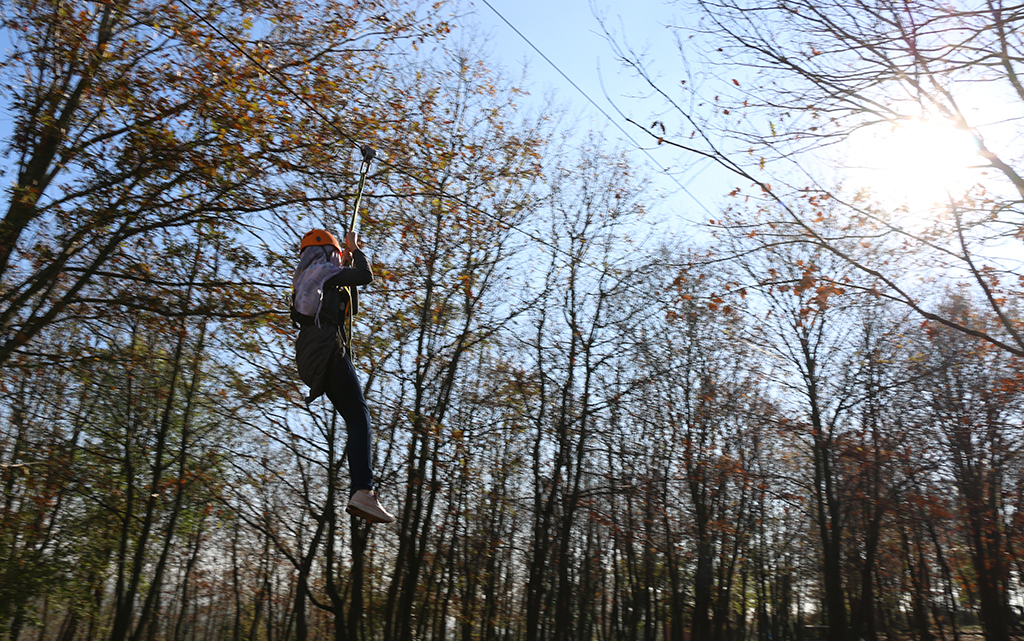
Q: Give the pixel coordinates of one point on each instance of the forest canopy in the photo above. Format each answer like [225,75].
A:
[801,417]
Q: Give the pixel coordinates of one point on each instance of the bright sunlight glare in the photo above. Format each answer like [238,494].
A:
[914,164]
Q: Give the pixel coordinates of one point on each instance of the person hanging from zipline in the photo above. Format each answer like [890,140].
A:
[324,295]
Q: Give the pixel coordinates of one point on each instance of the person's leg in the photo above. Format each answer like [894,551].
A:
[346,393]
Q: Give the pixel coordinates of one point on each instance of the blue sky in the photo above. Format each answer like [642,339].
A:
[569,34]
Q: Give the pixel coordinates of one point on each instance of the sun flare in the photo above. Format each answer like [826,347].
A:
[914,164]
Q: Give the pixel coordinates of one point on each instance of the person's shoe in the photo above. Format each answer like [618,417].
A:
[365,505]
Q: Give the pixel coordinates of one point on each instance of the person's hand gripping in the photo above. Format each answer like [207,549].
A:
[351,243]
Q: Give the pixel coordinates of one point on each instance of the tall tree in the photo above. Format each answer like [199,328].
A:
[807,334]
[878,452]
[772,88]
[132,117]
[570,348]
[133,427]
[970,405]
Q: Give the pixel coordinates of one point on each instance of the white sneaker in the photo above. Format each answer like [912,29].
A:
[365,505]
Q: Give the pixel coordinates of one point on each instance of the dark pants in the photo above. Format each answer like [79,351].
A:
[346,393]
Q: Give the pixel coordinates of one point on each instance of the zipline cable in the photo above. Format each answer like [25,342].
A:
[598,107]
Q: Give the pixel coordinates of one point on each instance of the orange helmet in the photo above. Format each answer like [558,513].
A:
[319,237]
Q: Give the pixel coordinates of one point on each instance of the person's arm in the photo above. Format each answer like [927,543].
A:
[359,273]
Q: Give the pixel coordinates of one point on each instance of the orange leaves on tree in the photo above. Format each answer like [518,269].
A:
[806,281]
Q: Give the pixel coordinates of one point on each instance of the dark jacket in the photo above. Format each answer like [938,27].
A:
[319,343]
